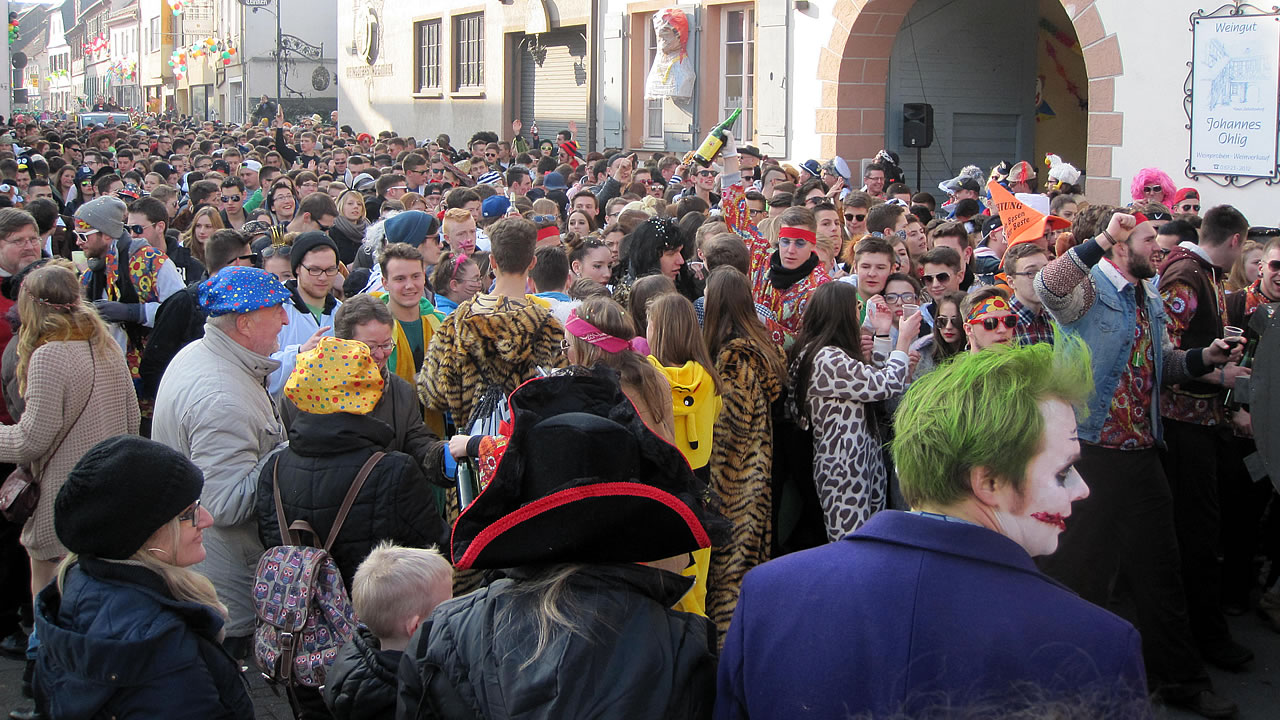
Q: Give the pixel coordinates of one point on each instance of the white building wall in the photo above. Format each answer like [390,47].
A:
[1150,94]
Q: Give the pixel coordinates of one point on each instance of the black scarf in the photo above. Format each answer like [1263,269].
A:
[782,278]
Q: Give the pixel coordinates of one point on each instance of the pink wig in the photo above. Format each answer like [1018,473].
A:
[1148,176]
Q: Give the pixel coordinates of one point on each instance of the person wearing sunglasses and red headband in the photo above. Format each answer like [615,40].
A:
[782,279]
[988,318]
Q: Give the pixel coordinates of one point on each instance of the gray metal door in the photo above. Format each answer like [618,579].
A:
[554,84]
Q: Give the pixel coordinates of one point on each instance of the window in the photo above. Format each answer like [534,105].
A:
[653,134]
[427,63]
[468,52]
[738,75]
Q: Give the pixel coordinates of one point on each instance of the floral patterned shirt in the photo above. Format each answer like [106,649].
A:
[1181,304]
[1128,423]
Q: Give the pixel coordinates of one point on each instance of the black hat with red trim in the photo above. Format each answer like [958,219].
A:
[582,479]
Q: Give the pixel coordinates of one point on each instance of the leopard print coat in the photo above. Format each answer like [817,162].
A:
[848,465]
[741,470]
[473,350]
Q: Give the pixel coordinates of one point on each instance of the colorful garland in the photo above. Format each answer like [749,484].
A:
[1068,41]
[219,50]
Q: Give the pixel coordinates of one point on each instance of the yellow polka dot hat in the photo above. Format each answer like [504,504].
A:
[337,376]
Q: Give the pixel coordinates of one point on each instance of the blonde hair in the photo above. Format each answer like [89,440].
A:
[185,584]
[1236,280]
[189,237]
[359,201]
[53,309]
[395,583]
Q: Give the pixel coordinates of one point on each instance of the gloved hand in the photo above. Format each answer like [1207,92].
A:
[118,312]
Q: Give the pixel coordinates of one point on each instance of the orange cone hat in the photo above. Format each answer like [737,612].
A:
[1021,222]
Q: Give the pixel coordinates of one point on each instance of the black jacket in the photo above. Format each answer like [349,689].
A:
[361,685]
[398,407]
[179,322]
[191,269]
[115,643]
[639,658]
[324,454]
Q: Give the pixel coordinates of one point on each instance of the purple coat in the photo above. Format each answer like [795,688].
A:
[909,612]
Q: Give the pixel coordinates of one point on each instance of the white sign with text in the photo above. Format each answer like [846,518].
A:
[1236,73]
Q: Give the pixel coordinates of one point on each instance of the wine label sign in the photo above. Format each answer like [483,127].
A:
[1235,83]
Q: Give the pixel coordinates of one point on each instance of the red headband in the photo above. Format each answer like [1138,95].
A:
[547,232]
[1139,218]
[797,233]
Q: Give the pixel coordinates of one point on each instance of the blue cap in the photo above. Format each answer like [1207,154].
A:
[238,289]
[495,206]
[553,181]
[811,167]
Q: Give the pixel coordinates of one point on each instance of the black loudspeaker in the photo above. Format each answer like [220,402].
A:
[917,125]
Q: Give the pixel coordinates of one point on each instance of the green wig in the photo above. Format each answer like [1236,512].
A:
[983,410]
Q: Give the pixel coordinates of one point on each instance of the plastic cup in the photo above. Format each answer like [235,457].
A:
[908,309]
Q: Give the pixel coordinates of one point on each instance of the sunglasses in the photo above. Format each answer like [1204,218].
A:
[851,217]
[944,321]
[790,242]
[230,198]
[991,323]
[706,173]
[138,229]
[191,515]
[1189,208]
[545,219]
[1152,189]
[1273,265]
[940,277]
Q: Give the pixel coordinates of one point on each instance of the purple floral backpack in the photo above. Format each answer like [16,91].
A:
[304,612]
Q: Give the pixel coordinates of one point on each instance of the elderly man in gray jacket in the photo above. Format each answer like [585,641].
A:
[213,407]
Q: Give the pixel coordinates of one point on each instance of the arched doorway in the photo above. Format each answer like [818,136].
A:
[858,116]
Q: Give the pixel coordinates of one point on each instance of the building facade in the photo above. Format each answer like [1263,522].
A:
[457,66]
[122,79]
[306,82]
[1101,83]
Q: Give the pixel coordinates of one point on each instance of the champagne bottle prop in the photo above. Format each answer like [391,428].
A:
[1246,361]
[711,145]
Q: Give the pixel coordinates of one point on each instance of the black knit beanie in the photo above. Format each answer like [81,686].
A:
[305,243]
[122,491]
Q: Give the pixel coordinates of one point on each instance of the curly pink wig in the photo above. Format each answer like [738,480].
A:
[1147,176]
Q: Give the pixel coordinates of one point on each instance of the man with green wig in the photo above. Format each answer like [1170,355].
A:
[942,609]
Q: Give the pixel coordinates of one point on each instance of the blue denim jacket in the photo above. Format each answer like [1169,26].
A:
[1107,327]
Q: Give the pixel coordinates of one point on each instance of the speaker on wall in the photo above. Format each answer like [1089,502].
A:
[917,125]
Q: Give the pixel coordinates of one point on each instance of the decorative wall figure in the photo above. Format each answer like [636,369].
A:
[671,74]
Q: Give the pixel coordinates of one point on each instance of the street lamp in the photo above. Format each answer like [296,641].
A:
[262,5]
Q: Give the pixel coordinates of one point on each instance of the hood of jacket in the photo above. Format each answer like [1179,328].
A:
[695,405]
[259,366]
[113,626]
[338,433]
[501,337]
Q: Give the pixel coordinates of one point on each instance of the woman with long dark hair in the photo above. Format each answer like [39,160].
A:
[833,384]
[752,370]
[947,339]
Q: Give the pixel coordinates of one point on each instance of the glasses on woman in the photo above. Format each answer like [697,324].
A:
[899,298]
[1149,189]
[191,514]
[945,320]
[991,323]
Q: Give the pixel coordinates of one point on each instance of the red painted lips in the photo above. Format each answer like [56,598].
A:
[1060,521]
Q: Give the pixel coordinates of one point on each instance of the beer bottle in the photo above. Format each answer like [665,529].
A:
[710,147]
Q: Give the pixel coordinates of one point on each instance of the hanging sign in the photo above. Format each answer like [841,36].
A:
[1235,79]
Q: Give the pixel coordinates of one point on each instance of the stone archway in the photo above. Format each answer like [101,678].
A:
[853,69]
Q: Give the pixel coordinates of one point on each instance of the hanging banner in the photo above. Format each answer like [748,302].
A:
[1235,74]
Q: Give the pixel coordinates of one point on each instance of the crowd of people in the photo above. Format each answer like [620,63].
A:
[618,434]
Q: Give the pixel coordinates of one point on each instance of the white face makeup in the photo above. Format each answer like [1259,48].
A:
[1036,517]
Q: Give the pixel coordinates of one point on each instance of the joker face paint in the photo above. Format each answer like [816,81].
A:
[1035,517]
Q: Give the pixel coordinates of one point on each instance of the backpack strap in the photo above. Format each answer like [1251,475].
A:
[350,499]
[286,537]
